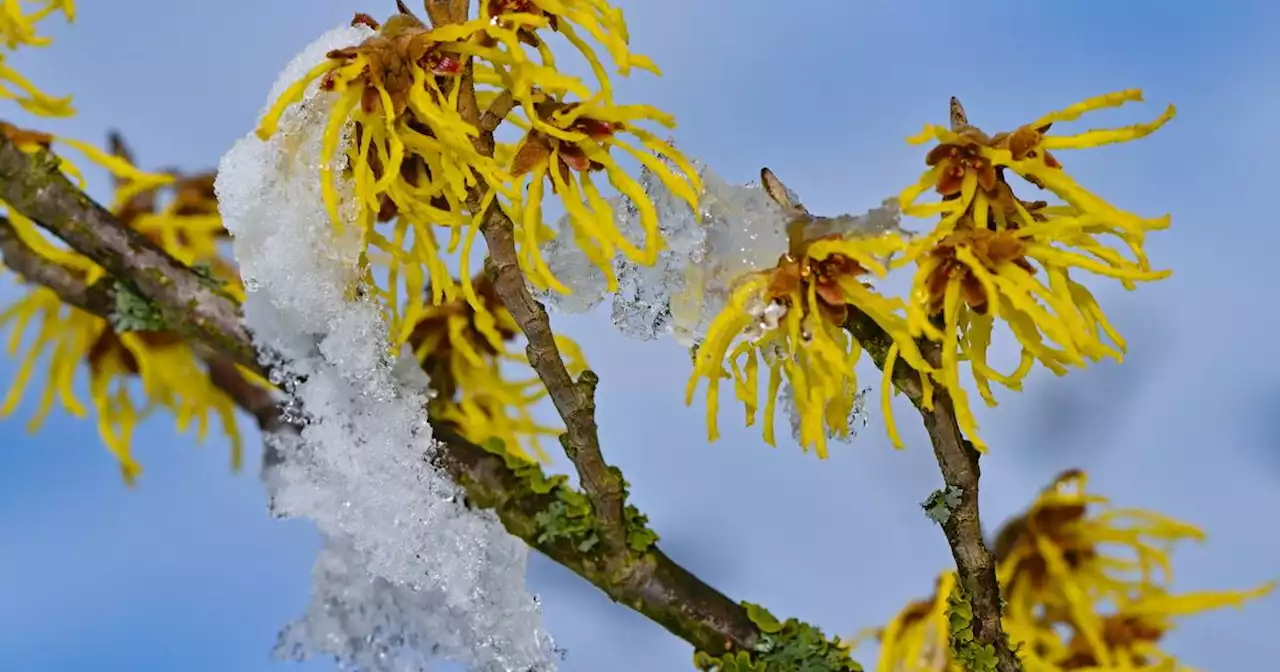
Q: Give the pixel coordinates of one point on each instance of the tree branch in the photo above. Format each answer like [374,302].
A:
[99,299]
[648,582]
[33,184]
[959,464]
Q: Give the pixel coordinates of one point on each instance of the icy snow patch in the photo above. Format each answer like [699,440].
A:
[408,574]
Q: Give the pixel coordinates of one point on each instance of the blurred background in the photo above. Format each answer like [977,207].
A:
[188,572]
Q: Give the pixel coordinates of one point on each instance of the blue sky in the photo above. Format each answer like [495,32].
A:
[187,571]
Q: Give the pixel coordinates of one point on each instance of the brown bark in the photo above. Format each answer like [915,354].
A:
[958,462]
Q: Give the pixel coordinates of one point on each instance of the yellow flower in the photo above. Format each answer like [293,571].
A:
[413,157]
[1063,561]
[1131,635]
[171,375]
[601,20]
[18,28]
[915,639]
[579,146]
[1084,589]
[792,317]
[980,261]
[468,376]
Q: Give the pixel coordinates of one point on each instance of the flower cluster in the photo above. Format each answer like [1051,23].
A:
[991,256]
[453,341]
[178,213]
[980,262]
[411,132]
[413,160]
[792,316]
[1087,587]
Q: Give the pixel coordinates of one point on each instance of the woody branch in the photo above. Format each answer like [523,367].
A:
[958,462]
[649,582]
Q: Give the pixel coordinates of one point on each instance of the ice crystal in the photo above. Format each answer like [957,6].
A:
[742,230]
[856,421]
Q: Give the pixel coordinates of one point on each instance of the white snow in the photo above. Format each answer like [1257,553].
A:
[408,574]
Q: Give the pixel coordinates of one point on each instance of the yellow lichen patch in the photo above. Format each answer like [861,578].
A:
[171,376]
[994,257]
[18,27]
[792,318]
[416,157]
[471,377]
[1086,587]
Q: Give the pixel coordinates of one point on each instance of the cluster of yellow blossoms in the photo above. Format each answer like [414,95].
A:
[978,264]
[1086,585]
[810,293]
[420,163]
[473,392]
[423,158]
[421,155]
[177,212]
[180,214]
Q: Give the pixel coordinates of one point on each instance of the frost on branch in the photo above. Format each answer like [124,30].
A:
[570,264]
[408,574]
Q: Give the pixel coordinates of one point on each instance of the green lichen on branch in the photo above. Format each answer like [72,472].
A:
[570,518]
[972,655]
[941,503]
[647,581]
[134,312]
[784,646]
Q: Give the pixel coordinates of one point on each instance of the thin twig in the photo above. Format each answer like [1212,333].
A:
[958,461]
[98,298]
[574,400]
[252,399]
[441,12]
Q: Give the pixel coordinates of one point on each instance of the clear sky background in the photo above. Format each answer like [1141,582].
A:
[187,571]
